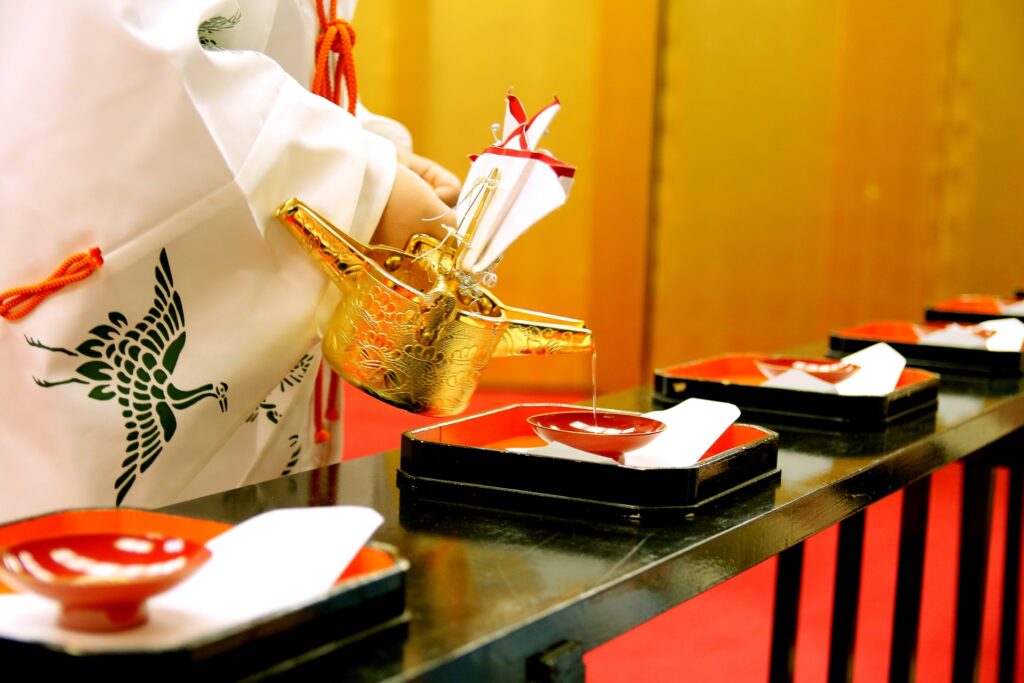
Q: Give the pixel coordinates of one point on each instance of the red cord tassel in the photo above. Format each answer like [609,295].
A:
[321,435]
[20,301]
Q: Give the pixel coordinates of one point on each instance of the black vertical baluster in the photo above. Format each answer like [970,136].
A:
[844,601]
[1011,576]
[974,530]
[788,574]
[907,610]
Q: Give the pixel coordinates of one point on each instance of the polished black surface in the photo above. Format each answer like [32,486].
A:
[909,581]
[1011,567]
[845,597]
[788,576]
[975,519]
[490,590]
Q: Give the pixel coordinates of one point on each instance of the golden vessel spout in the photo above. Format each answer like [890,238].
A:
[530,333]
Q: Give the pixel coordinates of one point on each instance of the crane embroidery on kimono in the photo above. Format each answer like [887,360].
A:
[135,365]
[296,447]
[293,378]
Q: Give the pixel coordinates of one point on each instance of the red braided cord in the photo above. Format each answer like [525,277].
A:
[321,435]
[20,301]
[338,36]
[333,413]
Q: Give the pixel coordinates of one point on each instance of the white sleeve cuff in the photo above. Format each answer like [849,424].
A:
[385,127]
[309,148]
[378,181]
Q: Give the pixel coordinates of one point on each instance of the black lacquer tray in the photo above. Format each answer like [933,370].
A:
[902,336]
[735,378]
[468,461]
[367,603]
[970,308]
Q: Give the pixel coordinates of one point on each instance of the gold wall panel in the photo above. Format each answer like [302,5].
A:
[886,160]
[751,173]
[747,104]
[983,202]
[443,69]
[832,163]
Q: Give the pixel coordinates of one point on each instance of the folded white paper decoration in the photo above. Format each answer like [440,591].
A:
[529,184]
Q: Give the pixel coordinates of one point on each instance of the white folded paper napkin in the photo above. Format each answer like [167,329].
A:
[272,562]
[1007,335]
[691,428]
[526,183]
[880,369]
[1012,307]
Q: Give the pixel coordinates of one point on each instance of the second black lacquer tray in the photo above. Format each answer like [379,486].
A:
[903,336]
[735,378]
[971,308]
[473,460]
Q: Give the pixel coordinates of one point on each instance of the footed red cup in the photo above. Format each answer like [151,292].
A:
[825,370]
[601,432]
[101,580]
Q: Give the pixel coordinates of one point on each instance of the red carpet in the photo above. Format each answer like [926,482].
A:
[724,634]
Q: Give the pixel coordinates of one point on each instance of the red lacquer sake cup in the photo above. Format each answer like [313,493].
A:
[606,433]
[825,370]
[101,580]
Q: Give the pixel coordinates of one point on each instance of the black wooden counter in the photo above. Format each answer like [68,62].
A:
[490,592]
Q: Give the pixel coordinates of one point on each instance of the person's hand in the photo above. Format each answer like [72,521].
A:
[412,200]
[444,183]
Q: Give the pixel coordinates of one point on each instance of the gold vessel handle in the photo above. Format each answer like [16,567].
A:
[337,253]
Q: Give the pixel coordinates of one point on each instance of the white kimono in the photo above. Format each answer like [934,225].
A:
[185,364]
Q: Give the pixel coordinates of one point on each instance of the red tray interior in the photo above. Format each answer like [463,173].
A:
[900,331]
[742,369]
[141,521]
[507,428]
[973,303]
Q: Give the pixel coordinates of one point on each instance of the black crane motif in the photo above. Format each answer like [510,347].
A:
[135,365]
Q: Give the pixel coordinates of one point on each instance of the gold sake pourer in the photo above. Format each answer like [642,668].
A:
[410,332]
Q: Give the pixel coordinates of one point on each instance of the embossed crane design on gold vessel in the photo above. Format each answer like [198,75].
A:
[407,331]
